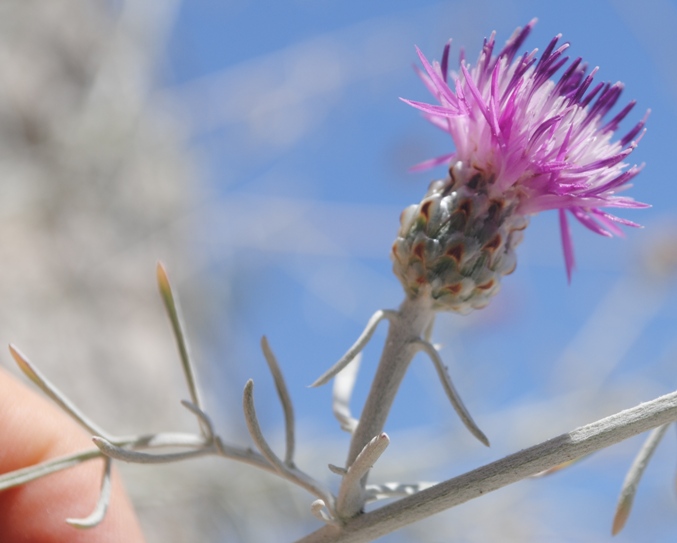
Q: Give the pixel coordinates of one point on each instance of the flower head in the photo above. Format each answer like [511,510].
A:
[531,142]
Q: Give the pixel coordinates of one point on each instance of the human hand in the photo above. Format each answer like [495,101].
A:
[33,430]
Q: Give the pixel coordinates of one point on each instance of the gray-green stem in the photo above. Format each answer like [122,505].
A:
[525,463]
[414,316]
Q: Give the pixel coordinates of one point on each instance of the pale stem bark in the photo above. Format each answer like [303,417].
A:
[412,319]
[513,468]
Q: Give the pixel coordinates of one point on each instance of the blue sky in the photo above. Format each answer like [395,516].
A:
[304,147]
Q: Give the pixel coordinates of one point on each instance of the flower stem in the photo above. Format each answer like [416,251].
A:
[407,327]
[479,482]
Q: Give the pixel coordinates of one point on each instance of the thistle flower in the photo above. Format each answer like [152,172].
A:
[524,143]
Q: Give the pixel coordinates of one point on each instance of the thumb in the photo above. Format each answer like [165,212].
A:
[33,430]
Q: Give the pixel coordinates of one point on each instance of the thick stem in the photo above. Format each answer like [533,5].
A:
[413,318]
[476,483]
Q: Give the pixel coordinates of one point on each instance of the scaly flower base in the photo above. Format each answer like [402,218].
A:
[459,241]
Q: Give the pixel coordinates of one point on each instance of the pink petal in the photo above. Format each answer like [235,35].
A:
[567,244]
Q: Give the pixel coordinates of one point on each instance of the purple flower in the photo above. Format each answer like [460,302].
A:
[543,141]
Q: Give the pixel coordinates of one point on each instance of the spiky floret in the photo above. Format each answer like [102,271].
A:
[543,141]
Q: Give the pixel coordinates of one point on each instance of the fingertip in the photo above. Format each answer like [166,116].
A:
[33,431]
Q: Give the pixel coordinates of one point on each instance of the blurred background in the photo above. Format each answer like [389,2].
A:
[259,149]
